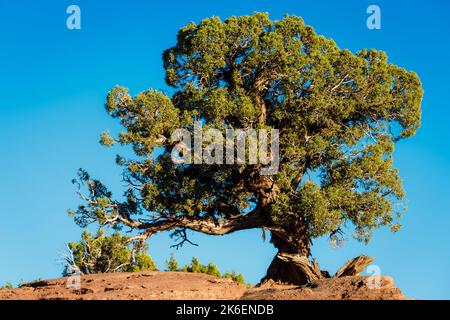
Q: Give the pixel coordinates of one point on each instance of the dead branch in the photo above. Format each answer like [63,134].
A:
[354,267]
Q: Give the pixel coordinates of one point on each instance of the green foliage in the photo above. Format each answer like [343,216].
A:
[239,278]
[103,254]
[106,140]
[172,263]
[196,267]
[148,117]
[143,262]
[339,114]
[8,285]
[212,270]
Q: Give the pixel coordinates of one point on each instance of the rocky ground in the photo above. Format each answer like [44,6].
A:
[192,286]
[345,288]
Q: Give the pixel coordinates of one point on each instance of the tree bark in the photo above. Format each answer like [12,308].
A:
[310,270]
[354,267]
[296,244]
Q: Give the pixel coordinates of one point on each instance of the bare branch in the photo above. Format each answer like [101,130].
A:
[182,238]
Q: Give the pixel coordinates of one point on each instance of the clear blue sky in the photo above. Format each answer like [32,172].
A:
[53,84]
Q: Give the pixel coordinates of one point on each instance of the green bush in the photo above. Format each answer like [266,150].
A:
[143,262]
[196,267]
[212,270]
[9,285]
[172,264]
[105,254]
[239,278]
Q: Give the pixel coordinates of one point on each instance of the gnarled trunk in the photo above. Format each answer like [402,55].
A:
[284,271]
[291,265]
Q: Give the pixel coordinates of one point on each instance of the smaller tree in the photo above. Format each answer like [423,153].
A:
[212,270]
[236,277]
[195,267]
[172,263]
[104,254]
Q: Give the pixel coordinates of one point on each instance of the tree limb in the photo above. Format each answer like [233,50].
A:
[251,220]
[354,267]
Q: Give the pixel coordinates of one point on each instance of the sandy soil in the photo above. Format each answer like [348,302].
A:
[190,286]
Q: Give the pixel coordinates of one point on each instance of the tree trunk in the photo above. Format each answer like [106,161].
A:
[281,270]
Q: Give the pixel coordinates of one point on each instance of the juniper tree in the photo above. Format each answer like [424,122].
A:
[339,115]
[105,254]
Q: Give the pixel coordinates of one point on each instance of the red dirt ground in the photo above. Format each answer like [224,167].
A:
[194,286]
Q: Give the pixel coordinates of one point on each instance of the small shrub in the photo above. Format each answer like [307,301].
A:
[7,286]
[172,264]
[197,267]
[106,254]
[212,270]
[239,278]
[143,262]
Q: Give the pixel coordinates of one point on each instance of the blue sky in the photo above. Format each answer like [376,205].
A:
[53,84]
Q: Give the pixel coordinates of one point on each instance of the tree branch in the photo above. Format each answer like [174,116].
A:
[251,220]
